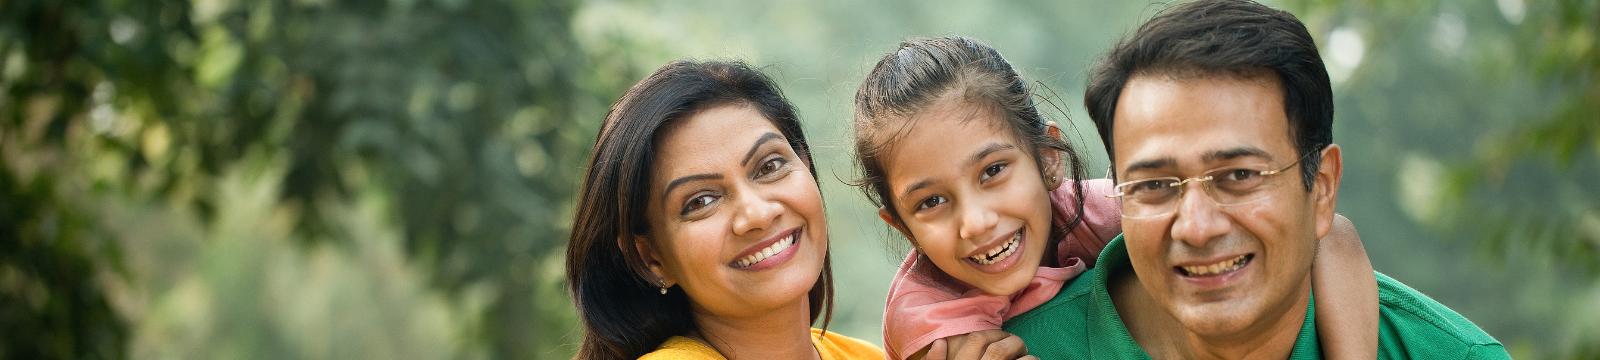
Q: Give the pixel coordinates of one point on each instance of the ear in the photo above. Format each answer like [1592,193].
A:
[1053,172]
[883,213]
[652,260]
[1326,188]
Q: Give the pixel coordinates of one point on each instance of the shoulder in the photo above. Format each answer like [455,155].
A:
[682,348]
[834,346]
[1070,306]
[1412,325]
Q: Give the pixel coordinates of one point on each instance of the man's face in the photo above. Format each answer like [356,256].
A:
[1227,271]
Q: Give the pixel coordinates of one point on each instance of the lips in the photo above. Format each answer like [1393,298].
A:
[998,253]
[763,254]
[1217,268]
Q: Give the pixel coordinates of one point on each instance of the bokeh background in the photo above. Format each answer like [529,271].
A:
[394,179]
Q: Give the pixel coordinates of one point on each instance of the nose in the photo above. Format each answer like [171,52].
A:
[977,220]
[755,213]
[1199,218]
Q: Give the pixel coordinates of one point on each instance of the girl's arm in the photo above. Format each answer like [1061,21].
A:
[1346,294]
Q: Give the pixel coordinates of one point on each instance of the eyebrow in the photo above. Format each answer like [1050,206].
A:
[764,138]
[1234,153]
[1208,157]
[976,157]
[685,179]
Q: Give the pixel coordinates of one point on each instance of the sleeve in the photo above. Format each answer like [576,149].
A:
[1102,219]
[925,304]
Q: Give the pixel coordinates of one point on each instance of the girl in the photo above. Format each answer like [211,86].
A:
[699,231]
[960,161]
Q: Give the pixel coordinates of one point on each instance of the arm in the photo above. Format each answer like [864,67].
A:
[1346,294]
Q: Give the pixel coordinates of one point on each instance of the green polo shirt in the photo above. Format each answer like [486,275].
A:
[1081,322]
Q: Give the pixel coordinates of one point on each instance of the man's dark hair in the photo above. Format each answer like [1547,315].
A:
[1236,38]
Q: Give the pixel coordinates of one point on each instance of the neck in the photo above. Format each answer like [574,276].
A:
[783,333]
[1163,337]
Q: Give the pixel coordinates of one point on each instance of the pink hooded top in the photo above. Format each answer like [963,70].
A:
[925,304]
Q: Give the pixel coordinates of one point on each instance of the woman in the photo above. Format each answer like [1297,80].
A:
[699,232]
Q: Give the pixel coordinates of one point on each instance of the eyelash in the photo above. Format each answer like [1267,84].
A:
[923,205]
[695,203]
[780,162]
[770,167]
[996,168]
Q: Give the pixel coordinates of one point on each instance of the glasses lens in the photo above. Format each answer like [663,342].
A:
[1147,198]
[1239,185]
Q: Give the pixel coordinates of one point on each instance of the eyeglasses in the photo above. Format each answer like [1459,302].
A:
[1228,186]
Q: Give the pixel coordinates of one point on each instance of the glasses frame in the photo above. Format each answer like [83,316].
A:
[1205,186]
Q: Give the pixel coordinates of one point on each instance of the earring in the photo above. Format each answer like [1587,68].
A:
[663,287]
[1053,178]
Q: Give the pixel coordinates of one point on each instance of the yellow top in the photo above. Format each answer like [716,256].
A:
[831,346]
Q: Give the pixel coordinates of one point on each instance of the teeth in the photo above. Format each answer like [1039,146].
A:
[766,253]
[999,252]
[1217,268]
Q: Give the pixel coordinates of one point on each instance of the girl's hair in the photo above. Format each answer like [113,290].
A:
[925,70]
[623,313]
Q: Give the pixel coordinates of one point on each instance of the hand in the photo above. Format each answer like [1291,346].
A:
[979,345]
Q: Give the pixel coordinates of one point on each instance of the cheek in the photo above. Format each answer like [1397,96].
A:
[687,252]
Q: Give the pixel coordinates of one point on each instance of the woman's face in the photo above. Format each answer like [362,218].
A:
[970,196]
[736,218]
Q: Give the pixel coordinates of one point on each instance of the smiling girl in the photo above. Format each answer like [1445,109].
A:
[952,149]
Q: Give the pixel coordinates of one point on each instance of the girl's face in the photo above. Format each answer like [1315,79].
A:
[971,196]
[736,218]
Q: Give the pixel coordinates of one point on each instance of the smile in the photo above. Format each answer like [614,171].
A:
[1217,268]
[774,249]
[998,253]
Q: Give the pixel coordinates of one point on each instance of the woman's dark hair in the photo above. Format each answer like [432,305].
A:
[1236,38]
[623,313]
[925,70]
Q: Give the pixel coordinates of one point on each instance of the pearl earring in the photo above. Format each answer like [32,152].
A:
[663,287]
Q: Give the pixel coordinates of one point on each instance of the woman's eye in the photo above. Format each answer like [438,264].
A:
[992,170]
[771,166]
[697,203]
[931,202]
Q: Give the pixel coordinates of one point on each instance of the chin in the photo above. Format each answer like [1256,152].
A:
[1217,319]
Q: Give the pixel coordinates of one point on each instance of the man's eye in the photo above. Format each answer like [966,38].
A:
[697,203]
[931,202]
[992,170]
[1149,185]
[1239,175]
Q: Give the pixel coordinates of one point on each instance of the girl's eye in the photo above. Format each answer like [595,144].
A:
[771,166]
[992,170]
[931,202]
[697,203]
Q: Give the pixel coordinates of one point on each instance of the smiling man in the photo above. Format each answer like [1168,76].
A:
[1218,117]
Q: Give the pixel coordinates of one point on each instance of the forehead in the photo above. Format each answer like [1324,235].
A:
[715,137]
[1182,119]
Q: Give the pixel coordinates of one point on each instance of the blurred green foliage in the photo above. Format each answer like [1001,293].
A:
[334,179]
[131,128]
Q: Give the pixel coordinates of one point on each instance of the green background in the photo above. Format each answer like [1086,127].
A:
[321,179]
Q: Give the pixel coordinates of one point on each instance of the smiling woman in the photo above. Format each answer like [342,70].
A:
[699,233]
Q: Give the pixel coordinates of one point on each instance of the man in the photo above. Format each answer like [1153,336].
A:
[1218,115]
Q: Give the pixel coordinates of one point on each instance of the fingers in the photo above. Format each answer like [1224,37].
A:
[1008,348]
[984,345]
[937,351]
[972,349]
